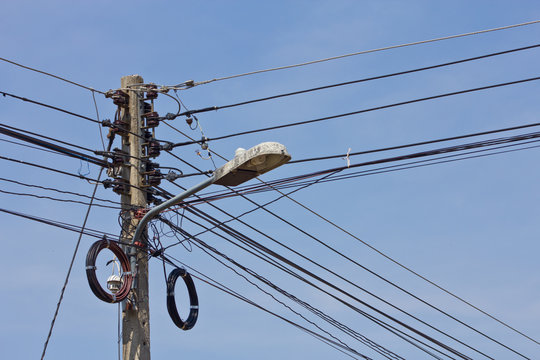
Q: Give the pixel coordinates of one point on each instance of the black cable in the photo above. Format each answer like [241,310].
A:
[246,240]
[193,300]
[215,108]
[366,341]
[356,309]
[331,285]
[427,142]
[54,147]
[86,231]
[47,137]
[32,147]
[61,110]
[49,168]
[57,199]
[48,106]
[324,244]
[58,190]
[231,292]
[362,111]
[71,264]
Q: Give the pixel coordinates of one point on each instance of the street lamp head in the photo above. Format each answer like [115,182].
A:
[248,164]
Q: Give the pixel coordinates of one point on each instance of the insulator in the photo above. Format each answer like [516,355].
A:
[120,186]
[119,158]
[147,135]
[119,98]
[147,107]
[151,93]
[119,127]
[154,179]
[154,148]
[152,119]
[151,166]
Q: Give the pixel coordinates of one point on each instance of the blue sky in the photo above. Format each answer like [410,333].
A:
[470,226]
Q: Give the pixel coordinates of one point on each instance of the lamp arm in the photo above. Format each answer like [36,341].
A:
[167,204]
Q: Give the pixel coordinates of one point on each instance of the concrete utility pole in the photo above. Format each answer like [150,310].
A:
[136,315]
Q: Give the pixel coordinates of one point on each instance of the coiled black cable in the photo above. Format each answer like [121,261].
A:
[193,300]
[127,277]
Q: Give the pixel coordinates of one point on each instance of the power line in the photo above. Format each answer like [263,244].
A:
[191,83]
[360,240]
[48,106]
[259,248]
[51,75]
[227,290]
[103,123]
[427,142]
[215,108]
[62,225]
[48,138]
[57,148]
[362,111]
[296,266]
[73,258]
[57,190]
[206,248]
[57,199]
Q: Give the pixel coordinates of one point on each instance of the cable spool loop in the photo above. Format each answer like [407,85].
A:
[193,300]
[126,275]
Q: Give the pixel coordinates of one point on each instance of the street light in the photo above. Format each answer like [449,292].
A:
[246,165]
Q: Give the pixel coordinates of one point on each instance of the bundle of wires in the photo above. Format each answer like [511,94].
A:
[126,276]
[193,300]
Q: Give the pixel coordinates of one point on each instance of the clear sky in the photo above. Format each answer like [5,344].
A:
[470,226]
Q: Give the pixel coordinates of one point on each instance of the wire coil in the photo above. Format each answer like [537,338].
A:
[193,300]
[126,276]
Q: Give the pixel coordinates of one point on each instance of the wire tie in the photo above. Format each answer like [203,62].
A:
[194,307]
[90,267]
[347,157]
[126,273]
[171,293]
[114,297]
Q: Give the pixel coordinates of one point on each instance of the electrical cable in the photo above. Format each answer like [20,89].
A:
[190,83]
[193,300]
[360,240]
[427,142]
[104,182]
[48,138]
[374,346]
[331,117]
[48,106]
[461,146]
[86,231]
[54,147]
[215,108]
[71,263]
[363,313]
[126,275]
[51,75]
[64,111]
[248,241]
[57,199]
[219,286]
[389,327]
[33,147]
[58,191]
